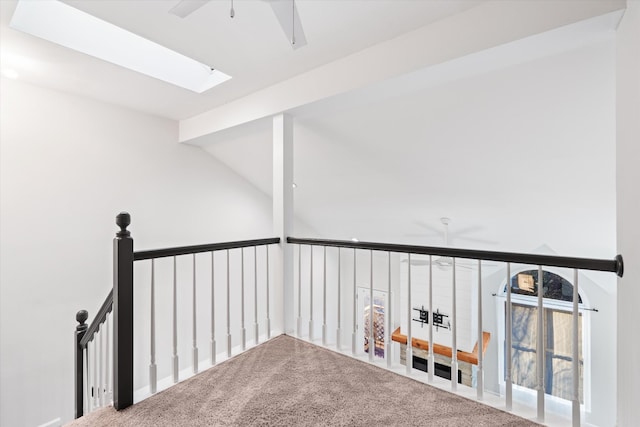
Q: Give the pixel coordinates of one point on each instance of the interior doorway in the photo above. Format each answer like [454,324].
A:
[380,304]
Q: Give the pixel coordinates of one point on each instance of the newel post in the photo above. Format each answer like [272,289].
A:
[78,358]
[123,314]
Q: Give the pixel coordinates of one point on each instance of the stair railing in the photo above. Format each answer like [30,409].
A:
[113,374]
[98,392]
[448,258]
[94,341]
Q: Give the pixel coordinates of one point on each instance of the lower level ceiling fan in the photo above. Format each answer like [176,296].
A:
[445,262]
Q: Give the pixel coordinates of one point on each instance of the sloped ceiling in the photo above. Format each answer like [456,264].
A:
[251,47]
[519,157]
[517,148]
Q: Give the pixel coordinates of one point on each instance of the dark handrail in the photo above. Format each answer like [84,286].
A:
[101,316]
[185,250]
[615,265]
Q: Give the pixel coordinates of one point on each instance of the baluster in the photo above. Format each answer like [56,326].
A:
[79,362]
[94,385]
[194,349]
[212,343]
[103,360]
[508,349]
[100,356]
[431,368]
[108,383]
[409,350]
[355,312]
[387,333]
[540,346]
[311,295]
[324,296]
[153,370]
[244,331]
[175,322]
[90,366]
[299,323]
[372,342]
[575,362]
[454,329]
[85,381]
[338,332]
[255,295]
[480,372]
[268,300]
[105,367]
[228,309]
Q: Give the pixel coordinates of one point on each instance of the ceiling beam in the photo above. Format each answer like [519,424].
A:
[487,25]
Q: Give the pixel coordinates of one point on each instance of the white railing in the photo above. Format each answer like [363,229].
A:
[103,379]
[453,256]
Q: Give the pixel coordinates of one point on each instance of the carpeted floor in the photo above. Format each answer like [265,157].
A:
[288,382]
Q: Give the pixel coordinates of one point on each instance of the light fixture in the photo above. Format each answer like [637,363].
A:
[10,73]
[72,28]
[355,239]
[294,185]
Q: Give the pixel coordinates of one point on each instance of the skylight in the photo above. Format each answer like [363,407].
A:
[62,24]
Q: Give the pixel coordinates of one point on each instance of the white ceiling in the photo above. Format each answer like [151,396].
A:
[518,151]
[515,144]
[251,47]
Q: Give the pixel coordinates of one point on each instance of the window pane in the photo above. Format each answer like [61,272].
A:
[558,351]
[555,287]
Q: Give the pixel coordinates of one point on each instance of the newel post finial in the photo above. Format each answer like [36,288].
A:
[81,318]
[123,219]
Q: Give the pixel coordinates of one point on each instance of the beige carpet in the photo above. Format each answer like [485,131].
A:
[288,382]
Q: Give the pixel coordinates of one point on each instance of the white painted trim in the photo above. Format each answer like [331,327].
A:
[283,221]
[425,47]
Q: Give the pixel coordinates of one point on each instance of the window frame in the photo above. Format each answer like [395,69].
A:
[526,395]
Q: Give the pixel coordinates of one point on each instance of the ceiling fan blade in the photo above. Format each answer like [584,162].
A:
[421,235]
[417,262]
[466,230]
[185,7]
[474,264]
[289,20]
[476,240]
[435,231]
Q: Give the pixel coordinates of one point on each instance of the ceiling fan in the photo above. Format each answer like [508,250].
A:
[285,10]
[443,262]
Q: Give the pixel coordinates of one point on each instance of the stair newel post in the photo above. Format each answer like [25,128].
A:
[123,314]
[78,358]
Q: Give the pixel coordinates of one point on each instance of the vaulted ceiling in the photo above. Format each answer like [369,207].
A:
[251,47]
[514,143]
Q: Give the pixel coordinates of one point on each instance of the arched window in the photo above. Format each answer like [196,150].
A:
[558,329]
[555,287]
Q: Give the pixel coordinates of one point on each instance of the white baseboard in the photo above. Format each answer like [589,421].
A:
[53,423]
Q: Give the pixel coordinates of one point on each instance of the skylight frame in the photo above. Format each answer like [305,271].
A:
[67,26]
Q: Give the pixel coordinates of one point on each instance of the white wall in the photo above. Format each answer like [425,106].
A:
[518,157]
[68,166]
[628,210]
